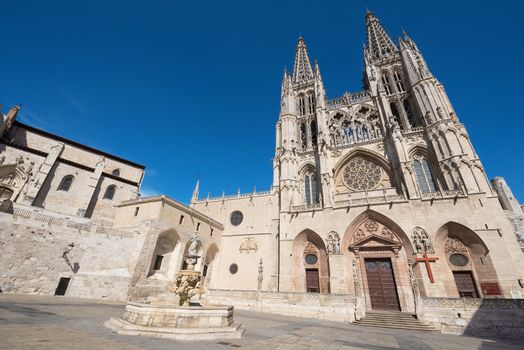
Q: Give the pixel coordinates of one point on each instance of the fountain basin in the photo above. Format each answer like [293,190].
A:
[208,322]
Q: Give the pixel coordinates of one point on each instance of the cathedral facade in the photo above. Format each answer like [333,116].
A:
[378,202]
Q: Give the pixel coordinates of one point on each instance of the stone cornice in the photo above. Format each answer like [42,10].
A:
[175,204]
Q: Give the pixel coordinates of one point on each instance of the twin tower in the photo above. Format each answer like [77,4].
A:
[409,141]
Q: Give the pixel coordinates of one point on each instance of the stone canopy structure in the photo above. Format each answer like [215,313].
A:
[378,202]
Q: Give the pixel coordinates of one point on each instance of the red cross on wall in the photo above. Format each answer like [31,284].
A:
[426,259]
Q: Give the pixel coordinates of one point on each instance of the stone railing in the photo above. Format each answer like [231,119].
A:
[443,194]
[365,198]
[238,195]
[348,99]
[484,317]
[305,207]
[343,145]
[334,307]
[25,212]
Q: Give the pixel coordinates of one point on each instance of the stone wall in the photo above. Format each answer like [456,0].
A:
[332,307]
[36,252]
[480,317]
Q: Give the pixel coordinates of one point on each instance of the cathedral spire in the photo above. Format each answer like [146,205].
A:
[195,191]
[379,43]
[302,69]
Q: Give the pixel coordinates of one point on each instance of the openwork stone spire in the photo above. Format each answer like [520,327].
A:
[379,43]
[302,70]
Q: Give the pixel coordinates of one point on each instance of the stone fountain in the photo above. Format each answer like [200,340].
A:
[185,321]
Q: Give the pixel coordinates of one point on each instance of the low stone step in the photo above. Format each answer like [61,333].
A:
[424,329]
[394,320]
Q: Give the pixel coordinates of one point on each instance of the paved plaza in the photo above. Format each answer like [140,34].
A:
[37,322]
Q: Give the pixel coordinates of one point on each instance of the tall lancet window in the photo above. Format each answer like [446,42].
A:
[409,112]
[303,135]
[398,81]
[311,190]
[396,115]
[425,180]
[314,133]
[311,103]
[301,105]
[385,82]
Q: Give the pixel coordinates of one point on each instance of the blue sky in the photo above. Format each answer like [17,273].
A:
[191,89]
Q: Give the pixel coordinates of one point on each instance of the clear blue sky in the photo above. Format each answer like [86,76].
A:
[192,88]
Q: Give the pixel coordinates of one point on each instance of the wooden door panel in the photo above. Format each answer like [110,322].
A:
[312,281]
[465,284]
[381,284]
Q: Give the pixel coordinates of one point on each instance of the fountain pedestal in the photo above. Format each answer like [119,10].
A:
[183,321]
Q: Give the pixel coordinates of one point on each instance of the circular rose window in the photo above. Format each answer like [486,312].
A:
[311,259]
[458,259]
[233,268]
[362,174]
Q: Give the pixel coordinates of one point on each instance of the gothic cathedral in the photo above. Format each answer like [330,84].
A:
[378,202]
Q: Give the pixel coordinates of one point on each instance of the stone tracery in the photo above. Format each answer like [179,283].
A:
[347,129]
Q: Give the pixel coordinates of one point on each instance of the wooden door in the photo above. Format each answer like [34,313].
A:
[465,284]
[381,284]
[312,281]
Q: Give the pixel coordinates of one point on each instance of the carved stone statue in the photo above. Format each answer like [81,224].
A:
[440,113]
[333,243]
[186,286]
[193,247]
[421,241]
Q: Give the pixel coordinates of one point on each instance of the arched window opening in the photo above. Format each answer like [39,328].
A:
[396,114]
[311,190]
[385,82]
[301,105]
[425,179]
[311,103]
[409,112]
[398,81]
[314,133]
[110,192]
[303,135]
[116,172]
[307,192]
[5,193]
[66,183]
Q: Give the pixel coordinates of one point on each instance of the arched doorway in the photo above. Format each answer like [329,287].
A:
[164,257]
[470,271]
[208,265]
[311,264]
[380,251]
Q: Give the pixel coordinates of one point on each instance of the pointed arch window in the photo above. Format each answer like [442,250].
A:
[301,105]
[66,183]
[409,112]
[303,135]
[116,172]
[425,180]
[396,114]
[311,190]
[311,103]
[314,133]
[110,192]
[385,82]
[398,81]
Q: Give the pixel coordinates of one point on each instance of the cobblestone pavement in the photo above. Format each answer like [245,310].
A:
[37,322]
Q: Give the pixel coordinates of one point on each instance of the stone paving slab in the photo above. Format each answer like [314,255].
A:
[38,322]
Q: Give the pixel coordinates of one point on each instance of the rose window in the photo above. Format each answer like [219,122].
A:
[361,174]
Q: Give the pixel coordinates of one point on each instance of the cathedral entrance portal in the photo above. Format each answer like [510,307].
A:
[381,284]
[312,281]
